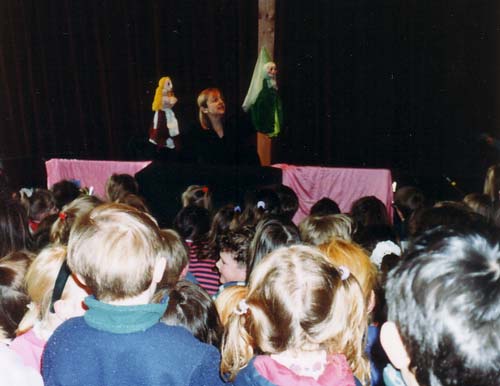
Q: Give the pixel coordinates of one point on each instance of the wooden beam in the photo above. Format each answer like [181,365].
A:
[267,10]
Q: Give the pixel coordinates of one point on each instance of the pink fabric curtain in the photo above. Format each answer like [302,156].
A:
[343,185]
[89,173]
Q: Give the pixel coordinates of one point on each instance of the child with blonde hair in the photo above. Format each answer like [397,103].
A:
[55,297]
[354,257]
[304,317]
[317,230]
[120,254]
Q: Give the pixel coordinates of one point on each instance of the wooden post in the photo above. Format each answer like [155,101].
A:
[267,9]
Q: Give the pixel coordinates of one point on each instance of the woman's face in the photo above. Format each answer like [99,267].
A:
[215,105]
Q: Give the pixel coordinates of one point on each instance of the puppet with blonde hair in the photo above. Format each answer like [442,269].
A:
[165,126]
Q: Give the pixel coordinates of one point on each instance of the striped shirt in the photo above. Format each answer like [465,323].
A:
[203,269]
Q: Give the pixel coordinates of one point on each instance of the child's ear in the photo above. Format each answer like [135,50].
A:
[184,272]
[393,345]
[396,352]
[65,309]
[371,302]
[159,270]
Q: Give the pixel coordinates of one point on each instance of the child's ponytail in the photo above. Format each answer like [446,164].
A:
[237,344]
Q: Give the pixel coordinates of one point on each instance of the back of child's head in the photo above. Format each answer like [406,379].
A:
[297,300]
[259,204]
[369,210]
[448,215]
[228,299]
[191,307]
[481,204]
[59,232]
[115,249]
[408,199]
[13,297]
[324,207]
[197,195]
[64,192]
[225,218]
[134,201]
[271,233]
[40,204]
[317,230]
[41,238]
[14,232]
[368,237]
[119,185]
[192,223]
[444,298]
[289,201]
[341,252]
[49,281]
[176,256]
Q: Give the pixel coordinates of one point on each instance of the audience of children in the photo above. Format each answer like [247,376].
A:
[280,327]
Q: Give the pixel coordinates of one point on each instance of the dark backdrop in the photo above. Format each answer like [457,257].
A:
[77,78]
[407,85]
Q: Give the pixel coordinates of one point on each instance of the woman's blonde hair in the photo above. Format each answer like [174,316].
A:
[40,280]
[197,195]
[202,102]
[59,232]
[317,230]
[297,299]
[157,101]
[227,301]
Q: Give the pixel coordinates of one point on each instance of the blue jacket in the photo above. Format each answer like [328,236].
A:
[116,354]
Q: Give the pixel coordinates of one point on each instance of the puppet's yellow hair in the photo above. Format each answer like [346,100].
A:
[158,94]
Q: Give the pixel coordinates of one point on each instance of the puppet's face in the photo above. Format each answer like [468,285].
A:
[271,70]
[215,104]
[167,86]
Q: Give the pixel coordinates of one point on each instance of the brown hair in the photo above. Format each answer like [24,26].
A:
[119,185]
[13,297]
[176,255]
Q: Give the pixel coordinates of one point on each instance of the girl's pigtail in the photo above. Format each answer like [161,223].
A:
[29,318]
[237,344]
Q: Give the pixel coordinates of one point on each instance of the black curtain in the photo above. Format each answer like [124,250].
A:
[78,77]
[407,85]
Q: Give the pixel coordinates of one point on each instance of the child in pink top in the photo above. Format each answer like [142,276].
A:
[55,297]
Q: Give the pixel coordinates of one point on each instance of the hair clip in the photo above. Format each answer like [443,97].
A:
[63,216]
[261,205]
[344,272]
[204,189]
[237,209]
[242,307]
